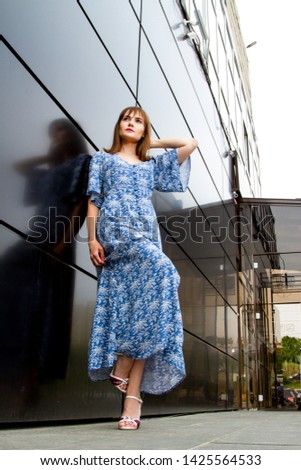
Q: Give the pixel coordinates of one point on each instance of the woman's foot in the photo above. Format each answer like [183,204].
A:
[130,419]
[118,382]
[120,373]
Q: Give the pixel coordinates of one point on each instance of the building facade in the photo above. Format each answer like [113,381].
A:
[67,69]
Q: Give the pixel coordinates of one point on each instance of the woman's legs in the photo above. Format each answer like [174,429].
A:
[123,366]
[131,369]
[132,402]
[132,407]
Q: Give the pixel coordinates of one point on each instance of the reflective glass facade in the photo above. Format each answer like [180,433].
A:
[270,274]
[67,69]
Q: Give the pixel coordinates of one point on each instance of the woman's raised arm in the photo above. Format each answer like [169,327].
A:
[185,146]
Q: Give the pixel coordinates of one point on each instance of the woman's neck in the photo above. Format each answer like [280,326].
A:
[128,148]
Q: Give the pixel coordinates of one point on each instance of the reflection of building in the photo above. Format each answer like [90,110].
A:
[290,319]
[278,335]
[184,61]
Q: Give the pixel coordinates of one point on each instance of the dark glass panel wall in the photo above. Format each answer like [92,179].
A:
[67,69]
[46,308]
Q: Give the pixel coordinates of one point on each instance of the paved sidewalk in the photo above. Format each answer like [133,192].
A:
[227,430]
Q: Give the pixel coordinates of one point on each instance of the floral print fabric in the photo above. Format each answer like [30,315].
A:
[137,309]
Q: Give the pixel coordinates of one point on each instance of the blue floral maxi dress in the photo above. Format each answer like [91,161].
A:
[137,309]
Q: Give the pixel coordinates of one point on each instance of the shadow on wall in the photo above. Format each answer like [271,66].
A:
[36,288]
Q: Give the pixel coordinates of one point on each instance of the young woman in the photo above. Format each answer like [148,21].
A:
[137,336]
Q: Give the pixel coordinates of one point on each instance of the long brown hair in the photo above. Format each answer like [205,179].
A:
[144,143]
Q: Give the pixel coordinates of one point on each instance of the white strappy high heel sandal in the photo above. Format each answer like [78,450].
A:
[118,382]
[129,424]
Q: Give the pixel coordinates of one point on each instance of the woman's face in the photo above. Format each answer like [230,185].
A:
[131,127]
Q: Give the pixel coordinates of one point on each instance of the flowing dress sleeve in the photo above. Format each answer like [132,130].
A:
[169,175]
[95,180]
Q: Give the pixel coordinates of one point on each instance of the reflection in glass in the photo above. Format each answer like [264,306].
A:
[36,289]
[55,183]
